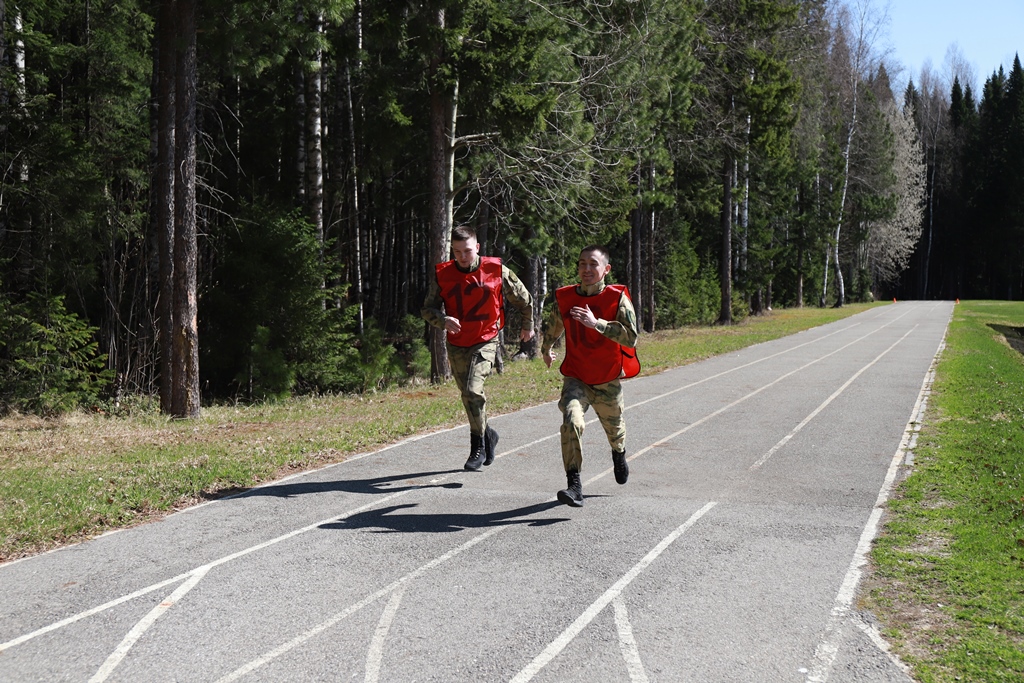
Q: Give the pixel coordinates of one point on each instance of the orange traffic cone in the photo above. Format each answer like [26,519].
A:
[958,300]
[894,299]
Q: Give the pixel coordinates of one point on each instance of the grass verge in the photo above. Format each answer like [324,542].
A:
[947,579]
[69,479]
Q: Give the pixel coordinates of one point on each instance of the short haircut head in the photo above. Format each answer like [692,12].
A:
[597,249]
[463,233]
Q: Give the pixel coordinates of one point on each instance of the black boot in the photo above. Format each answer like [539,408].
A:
[490,441]
[476,453]
[573,493]
[620,466]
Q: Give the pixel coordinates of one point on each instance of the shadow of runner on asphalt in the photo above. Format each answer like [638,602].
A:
[385,522]
[374,485]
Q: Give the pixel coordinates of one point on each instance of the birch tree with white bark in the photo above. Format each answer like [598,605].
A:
[858,26]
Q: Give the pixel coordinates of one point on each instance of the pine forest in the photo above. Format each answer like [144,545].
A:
[212,201]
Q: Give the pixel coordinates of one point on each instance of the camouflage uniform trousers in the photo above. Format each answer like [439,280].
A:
[608,404]
[470,367]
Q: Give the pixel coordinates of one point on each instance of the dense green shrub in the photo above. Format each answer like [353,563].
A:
[412,348]
[271,322]
[49,360]
[686,294]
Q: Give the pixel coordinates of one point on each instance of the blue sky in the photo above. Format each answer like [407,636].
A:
[988,33]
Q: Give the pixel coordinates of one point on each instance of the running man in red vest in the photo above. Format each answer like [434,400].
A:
[600,349]
[472,290]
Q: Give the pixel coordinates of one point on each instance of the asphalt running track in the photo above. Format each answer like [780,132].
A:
[734,553]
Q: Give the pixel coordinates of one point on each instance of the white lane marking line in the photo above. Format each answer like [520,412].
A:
[716,376]
[375,653]
[581,622]
[88,613]
[803,423]
[140,628]
[744,366]
[532,443]
[206,567]
[828,648]
[766,358]
[627,643]
[729,406]
[691,385]
[355,607]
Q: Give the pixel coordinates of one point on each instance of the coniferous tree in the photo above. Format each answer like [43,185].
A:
[719,148]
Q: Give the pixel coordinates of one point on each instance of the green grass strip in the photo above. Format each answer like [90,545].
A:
[948,579]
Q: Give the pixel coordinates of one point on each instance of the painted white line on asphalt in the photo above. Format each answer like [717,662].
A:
[140,628]
[532,443]
[745,365]
[766,358]
[95,610]
[803,423]
[581,622]
[689,386]
[627,643]
[203,568]
[735,403]
[375,653]
[828,648]
[351,609]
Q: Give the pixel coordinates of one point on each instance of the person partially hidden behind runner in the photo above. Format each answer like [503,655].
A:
[600,350]
[472,290]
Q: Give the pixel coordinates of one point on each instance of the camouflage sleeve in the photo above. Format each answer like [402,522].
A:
[553,329]
[518,295]
[433,306]
[623,329]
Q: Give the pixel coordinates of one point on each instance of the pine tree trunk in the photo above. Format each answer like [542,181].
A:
[299,123]
[801,199]
[443,108]
[163,193]
[538,292]
[743,180]
[185,344]
[3,55]
[4,101]
[651,319]
[725,273]
[314,143]
[4,95]
[355,257]
[636,277]
[931,207]
[20,92]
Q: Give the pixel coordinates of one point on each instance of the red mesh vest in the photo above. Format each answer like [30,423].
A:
[590,356]
[474,298]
